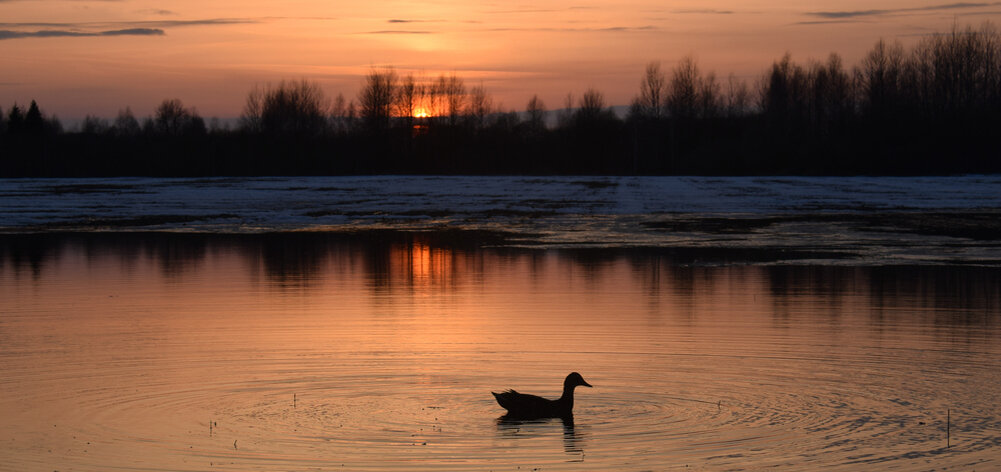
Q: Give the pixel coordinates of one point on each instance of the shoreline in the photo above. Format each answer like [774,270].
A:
[961,238]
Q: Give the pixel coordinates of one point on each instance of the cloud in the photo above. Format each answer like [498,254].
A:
[876,12]
[154,11]
[203,22]
[20,30]
[8,34]
[133,24]
[133,32]
[849,14]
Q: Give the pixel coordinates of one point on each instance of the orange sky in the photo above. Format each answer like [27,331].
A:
[79,56]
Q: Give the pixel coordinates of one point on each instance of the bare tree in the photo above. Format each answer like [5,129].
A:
[880,76]
[480,106]
[408,99]
[377,97]
[709,96]
[683,94]
[126,123]
[738,97]
[294,108]
[338,115]
[94,125]
[566,115]
[651,102]
[171,118]
[535,113]
[591,106]
[455,98]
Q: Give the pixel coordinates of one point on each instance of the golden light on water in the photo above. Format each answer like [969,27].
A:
[303,351]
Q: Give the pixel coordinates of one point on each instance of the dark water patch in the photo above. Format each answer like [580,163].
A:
[91,188]
[975,225]
[126,222]
[563,204]
[595,184]
[713,225]
[410,213]
[322,213]
[512,213]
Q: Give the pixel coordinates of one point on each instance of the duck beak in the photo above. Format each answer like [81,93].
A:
[585,383]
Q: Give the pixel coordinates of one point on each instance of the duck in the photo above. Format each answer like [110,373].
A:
[523,405]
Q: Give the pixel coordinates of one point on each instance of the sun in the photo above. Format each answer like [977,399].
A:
[421,113]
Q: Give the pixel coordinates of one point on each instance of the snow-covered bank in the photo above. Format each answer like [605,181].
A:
[868,219]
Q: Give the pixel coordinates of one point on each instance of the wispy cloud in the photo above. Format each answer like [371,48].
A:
[402,20]
[20,30]
[8,34]
[875,12]
[155,11]
[201,22]
[132,24]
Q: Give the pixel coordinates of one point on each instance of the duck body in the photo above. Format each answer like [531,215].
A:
[523,405]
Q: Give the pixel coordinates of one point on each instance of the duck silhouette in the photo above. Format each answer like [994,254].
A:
[525,406]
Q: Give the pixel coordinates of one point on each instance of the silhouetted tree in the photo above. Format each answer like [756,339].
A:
[376,99]
[880,77]
[651,103]
[171,118]
[449,97]
[94,125]
[342,115]
[965,69]
[535,114]
[480,107]
[408,97]
[933,108]
[737,98]
[15,119]
[507,122]
[34,123]
[683,99]
[289,109]
[126,123]
[565,117]
[592,108]
[709,97]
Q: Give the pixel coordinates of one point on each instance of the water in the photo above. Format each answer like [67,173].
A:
[823,220]
[379,352]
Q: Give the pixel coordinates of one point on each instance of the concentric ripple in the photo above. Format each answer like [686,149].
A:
[112,365]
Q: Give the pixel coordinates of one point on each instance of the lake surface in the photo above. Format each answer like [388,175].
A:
[379,350]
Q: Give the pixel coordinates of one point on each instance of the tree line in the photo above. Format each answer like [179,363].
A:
[932,108]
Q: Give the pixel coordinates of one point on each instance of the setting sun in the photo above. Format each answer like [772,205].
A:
[421,113]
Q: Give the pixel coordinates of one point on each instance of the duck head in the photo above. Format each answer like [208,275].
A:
[573,380]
